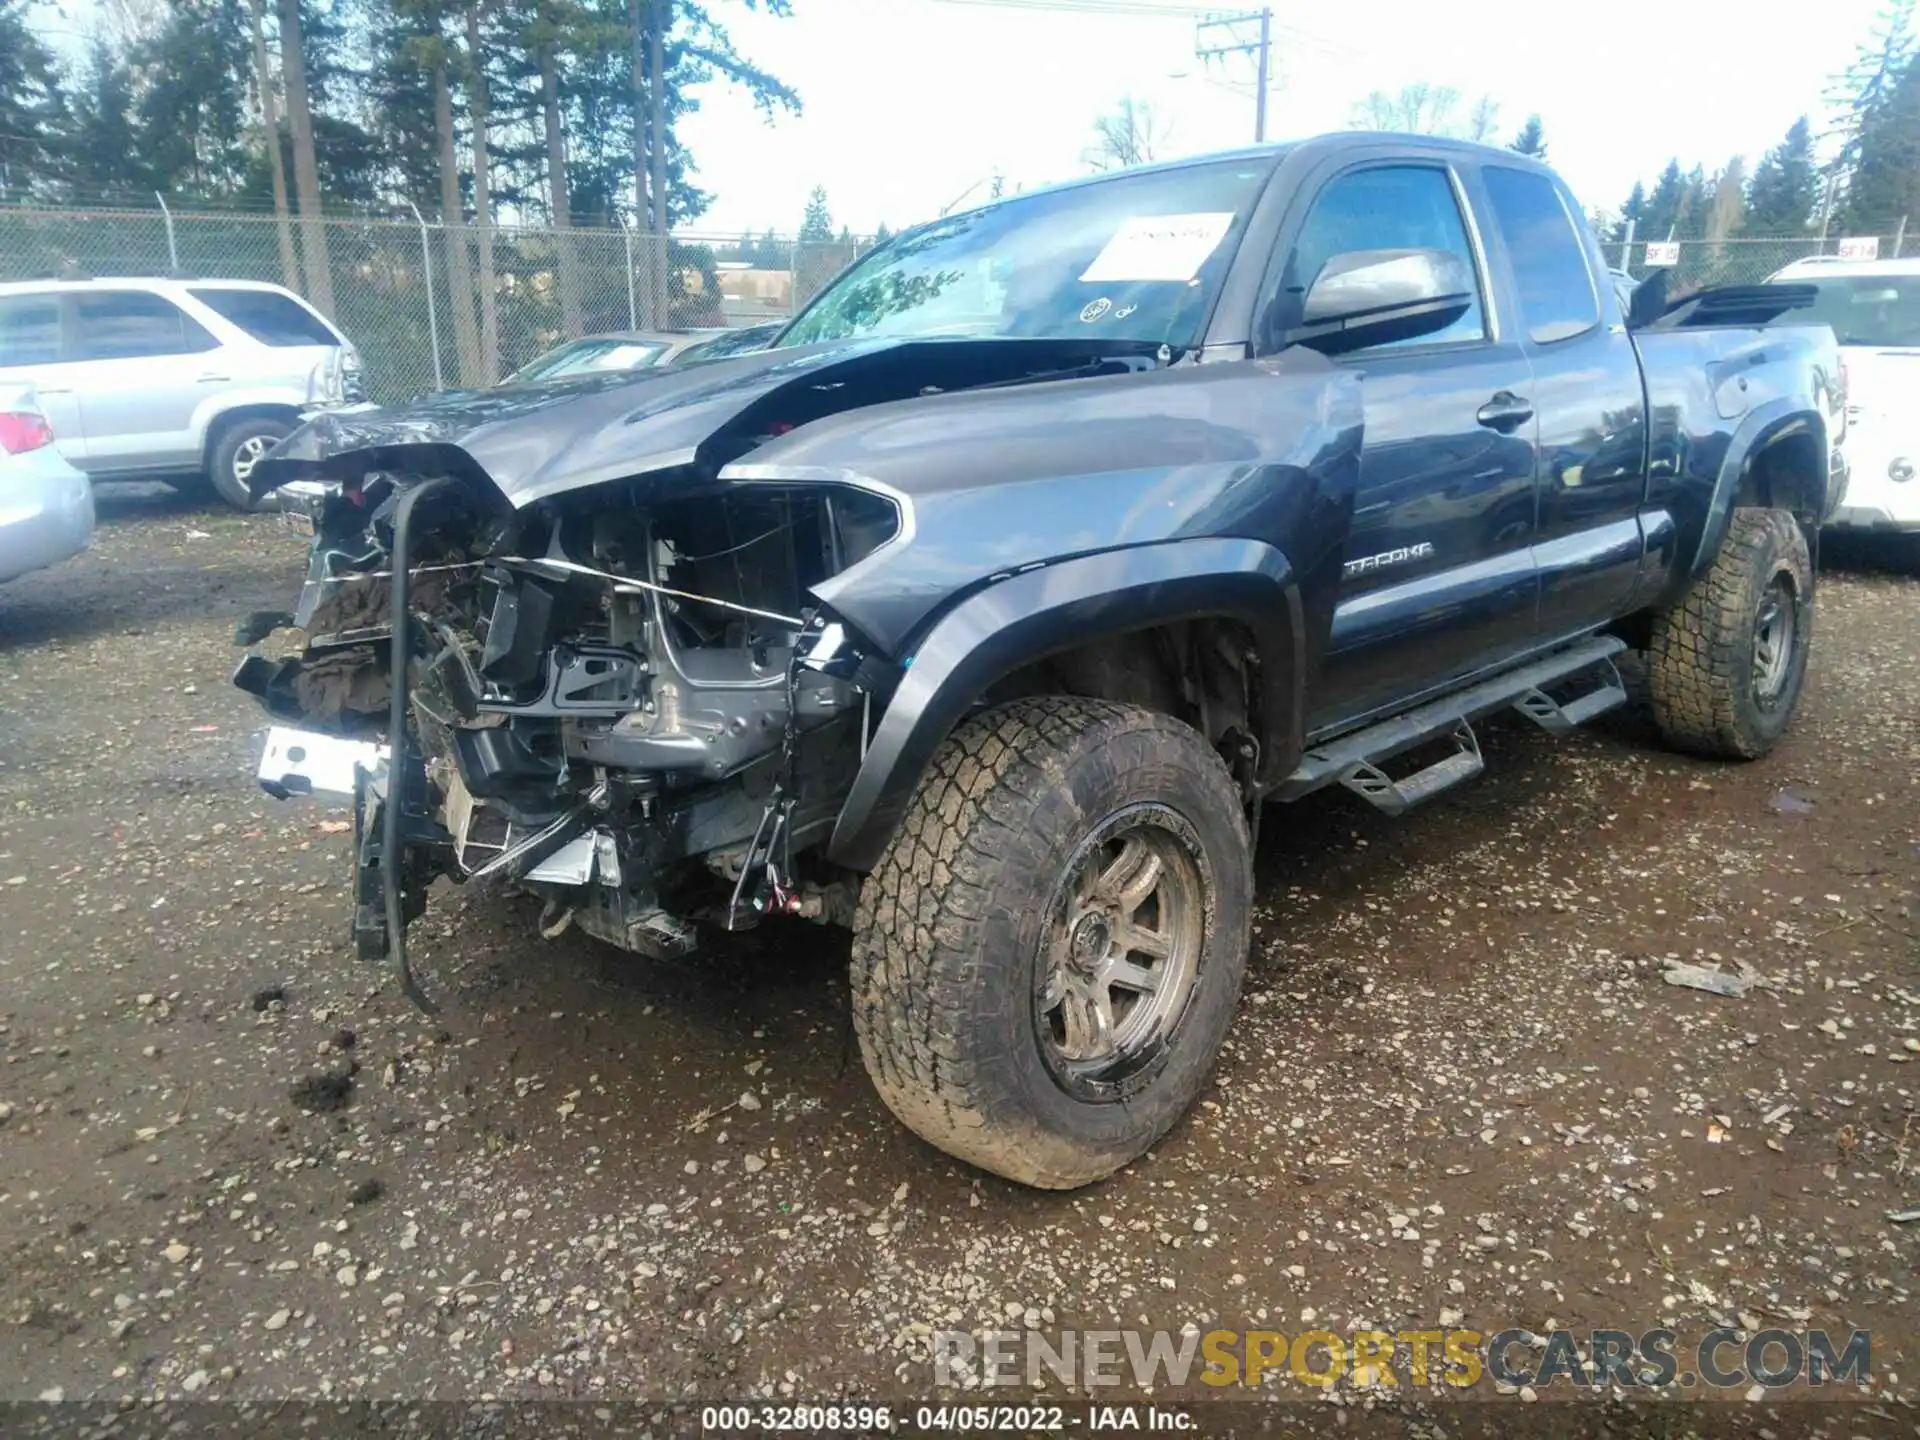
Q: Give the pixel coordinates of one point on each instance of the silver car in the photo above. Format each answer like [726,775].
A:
[619,350]
[161,379]
[46,506]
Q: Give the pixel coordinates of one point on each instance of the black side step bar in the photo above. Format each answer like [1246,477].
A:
[1354,759]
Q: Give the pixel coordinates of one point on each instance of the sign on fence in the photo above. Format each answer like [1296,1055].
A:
[1663,252]
[1860,247]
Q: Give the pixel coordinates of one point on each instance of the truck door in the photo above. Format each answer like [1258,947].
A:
[1588,400]
[1439,572]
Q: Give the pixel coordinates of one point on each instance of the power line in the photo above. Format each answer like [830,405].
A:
[1156,9]
[1261,47]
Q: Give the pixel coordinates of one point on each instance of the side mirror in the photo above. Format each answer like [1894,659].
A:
[1371,297]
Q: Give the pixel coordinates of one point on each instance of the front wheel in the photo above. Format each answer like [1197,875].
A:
[241,446]
[1727,664]
[1047,958]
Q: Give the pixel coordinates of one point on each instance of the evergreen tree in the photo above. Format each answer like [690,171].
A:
[1663,207]
[1696,199]
[1530,140]
[33,118]
[1633,214]
[105,164]
[816,226]
[1727,207]
[1785,188]
[192,111]
[1884,186]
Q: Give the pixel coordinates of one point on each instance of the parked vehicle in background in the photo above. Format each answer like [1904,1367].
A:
[1873,307]
[46,505]
[740,340]
[178,380]
[985,611]
[620,350]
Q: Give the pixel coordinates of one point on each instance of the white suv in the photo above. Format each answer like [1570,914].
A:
[146,378]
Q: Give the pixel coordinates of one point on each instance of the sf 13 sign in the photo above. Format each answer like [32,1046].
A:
[1860,247]
[1663,252]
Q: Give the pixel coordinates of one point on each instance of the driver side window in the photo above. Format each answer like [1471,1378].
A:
[1391,207]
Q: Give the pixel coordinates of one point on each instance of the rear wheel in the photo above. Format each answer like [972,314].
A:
[1047,958]
[241,446]
[1726,665]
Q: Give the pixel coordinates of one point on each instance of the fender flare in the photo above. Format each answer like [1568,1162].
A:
[1762,428]
[1055,607]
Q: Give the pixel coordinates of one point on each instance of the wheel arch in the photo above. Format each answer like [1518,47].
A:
[223,420]
[1160,625]
[1778,459]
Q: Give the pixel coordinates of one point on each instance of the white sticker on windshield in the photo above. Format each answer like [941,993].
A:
[1159,247]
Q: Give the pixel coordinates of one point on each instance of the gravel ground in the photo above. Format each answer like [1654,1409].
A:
[238,1165]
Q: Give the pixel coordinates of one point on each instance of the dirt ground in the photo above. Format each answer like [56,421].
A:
[237,1164]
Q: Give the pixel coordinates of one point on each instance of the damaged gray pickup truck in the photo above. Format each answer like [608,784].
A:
[986,611]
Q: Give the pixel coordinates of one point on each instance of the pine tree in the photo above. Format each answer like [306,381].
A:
[1727,205]
[1884,187]
[1530,140]
[1785,188]
[105,163]
[1633,214]
[192,109]
[1696,198]
[816,227]
[1664,204]
[32,113]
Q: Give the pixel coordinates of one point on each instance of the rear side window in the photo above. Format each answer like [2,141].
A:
[1393,207]
[270,318]
[1862,309]
[1549,261]
[29,330]
[131,324]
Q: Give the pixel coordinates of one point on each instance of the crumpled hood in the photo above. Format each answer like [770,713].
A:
[535,440]
[546,438]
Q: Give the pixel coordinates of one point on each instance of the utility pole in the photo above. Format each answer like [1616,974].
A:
[1234,41]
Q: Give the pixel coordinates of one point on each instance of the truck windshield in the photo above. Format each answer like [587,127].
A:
[1139,257]
[1862,309]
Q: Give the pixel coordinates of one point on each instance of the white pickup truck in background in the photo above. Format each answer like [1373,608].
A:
[1874,309]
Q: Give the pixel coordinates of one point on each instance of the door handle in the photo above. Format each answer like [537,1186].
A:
[211,379]
[1505,412]
[52,390]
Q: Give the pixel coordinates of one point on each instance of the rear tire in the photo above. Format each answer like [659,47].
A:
[240,447]
[1727,664]
[1046,960]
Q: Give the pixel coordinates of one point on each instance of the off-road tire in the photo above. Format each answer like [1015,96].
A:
[1701,662]
[227,447]
[949,930]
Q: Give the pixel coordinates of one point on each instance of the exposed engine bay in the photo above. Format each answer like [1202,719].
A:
[629,641]
[627,710]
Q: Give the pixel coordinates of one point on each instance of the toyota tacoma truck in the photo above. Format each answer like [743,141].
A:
[989,610]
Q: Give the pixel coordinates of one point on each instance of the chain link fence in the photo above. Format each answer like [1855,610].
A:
[413,296]
[1741,260]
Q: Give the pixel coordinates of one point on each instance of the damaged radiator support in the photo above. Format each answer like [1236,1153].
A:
[400,763]
[613,708]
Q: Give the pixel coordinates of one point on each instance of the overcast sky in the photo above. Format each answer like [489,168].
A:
[910,102]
